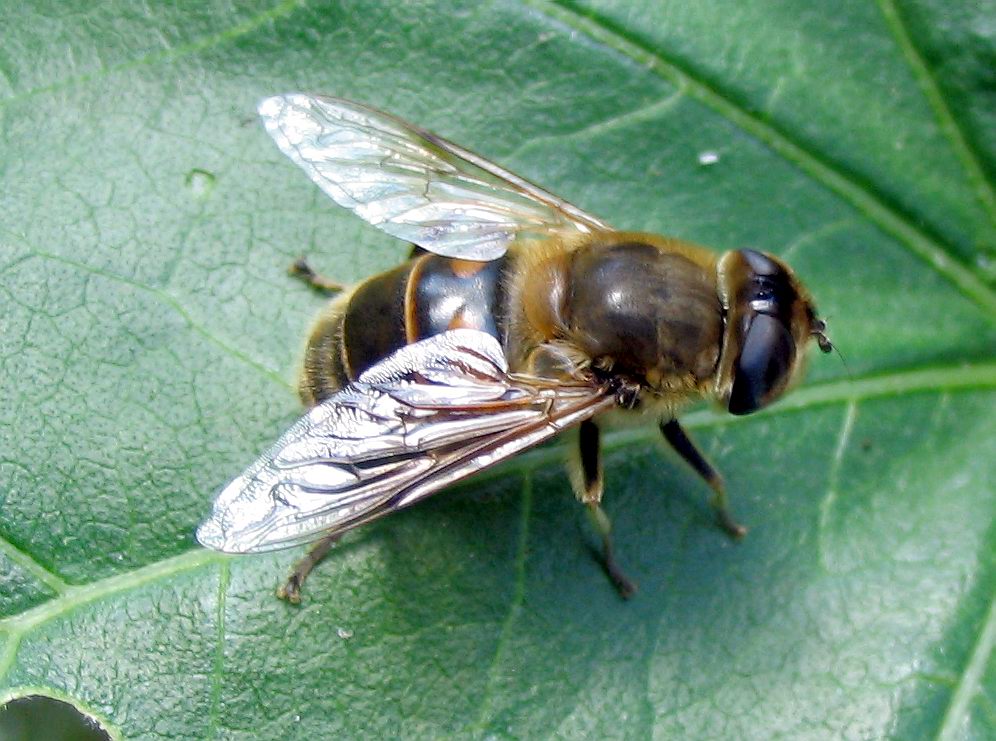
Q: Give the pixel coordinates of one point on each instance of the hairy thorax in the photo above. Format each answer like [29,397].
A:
[636,305]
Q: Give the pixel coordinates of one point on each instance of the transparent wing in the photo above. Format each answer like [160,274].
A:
[411,183]
[430,414]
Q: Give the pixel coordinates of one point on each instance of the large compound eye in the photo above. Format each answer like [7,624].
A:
[764,365]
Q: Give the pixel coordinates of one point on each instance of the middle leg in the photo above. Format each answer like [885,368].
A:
[589,491]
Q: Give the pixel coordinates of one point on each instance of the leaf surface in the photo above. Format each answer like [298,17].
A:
[149,337]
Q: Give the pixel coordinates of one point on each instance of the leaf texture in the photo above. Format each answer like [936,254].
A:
[149,339]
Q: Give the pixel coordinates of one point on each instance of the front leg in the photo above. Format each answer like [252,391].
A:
[588,482]
[718,501]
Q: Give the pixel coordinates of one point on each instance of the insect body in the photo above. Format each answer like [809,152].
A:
[518,317]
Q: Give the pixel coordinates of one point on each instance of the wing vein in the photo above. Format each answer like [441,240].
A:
[428,415]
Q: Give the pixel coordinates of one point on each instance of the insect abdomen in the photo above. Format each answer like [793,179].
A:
[323,372]
[373,325]
[448,294]
[354,331]
[425,296]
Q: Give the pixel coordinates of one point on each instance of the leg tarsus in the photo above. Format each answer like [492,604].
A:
[291,589]
[719,502]
[588,481]
[720,505]
[301,269]
[623,584]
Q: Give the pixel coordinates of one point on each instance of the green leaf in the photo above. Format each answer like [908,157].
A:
[149,336]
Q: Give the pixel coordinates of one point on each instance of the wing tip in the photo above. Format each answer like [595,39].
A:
[211,534]
[270,108]
[274,106]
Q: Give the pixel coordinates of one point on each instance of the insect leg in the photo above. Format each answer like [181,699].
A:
[591,480]
[602,523]
[291,589]
[718,501]
[301,269]
[590,448]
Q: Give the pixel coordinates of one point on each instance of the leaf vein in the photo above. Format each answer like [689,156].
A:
[247,26]
[952,723]
[9,654]
[924,380]
[640,113]
[168,300]
[945,119]
[886,216]
[217,673]
[76,596]
[27,562]
[833,479]
[515,605]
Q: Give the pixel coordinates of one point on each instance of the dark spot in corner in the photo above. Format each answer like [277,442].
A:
[37,716]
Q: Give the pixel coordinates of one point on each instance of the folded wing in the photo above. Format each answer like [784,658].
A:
[430,414]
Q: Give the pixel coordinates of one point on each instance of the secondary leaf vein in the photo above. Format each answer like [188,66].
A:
[945,119]
[833,478]
[27,562]
[76,596]
[9,654]
[281,9]
[176,306]
[217,673]
[924,380]
[515,605]
[952,724]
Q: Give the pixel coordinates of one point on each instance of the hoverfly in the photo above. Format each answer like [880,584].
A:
[517,316]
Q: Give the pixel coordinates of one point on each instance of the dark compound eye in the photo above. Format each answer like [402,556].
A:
[763,366]
[769,289]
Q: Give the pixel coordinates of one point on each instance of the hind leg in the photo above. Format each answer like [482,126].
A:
[290,590]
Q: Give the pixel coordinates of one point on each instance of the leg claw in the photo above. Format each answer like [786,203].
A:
[290,591]
[734,529]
